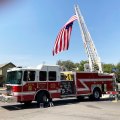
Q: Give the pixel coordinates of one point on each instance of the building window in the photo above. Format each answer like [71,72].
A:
[29,76]
[42,76]
[52,75]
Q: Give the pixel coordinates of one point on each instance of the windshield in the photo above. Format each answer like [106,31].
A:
[14,77]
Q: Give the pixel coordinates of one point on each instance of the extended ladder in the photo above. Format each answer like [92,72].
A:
[90,49]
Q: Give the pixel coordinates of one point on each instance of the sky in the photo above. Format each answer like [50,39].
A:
[28,29]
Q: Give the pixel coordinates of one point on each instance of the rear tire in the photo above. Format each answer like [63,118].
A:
[96,94]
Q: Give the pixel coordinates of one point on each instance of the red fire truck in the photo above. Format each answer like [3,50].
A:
[46,82]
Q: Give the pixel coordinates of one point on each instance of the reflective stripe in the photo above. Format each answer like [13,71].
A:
[33,92]
[54,91]
[86,88]
[23,93]
[96,80]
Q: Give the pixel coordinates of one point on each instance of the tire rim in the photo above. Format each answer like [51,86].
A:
[45,99]
[96,94]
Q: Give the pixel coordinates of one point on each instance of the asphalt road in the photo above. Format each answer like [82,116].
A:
[69,109]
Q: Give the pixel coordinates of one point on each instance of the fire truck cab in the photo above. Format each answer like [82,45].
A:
[27,84]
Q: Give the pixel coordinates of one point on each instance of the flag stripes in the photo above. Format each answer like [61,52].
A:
[63,37]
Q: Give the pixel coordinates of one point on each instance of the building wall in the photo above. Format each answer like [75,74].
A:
[4,71]
[1,79]
[0,71]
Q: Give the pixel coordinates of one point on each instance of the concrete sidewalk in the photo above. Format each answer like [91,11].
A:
[2,88]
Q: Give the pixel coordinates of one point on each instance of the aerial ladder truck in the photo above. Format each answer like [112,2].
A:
[46,82]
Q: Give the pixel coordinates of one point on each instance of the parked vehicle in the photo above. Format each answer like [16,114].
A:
[46,82]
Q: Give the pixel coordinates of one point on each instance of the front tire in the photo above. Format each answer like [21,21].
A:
[42,98]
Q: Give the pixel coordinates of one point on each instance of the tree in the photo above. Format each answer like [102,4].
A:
[107,68]
[118,67]
[81,65]
[118,72]
[69,65]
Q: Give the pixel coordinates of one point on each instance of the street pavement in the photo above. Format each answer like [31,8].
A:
[63,109]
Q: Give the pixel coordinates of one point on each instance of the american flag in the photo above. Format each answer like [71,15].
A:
[63,37]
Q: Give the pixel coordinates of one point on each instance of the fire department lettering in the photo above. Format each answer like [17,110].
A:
[42,85]
[53,86]
[30,87]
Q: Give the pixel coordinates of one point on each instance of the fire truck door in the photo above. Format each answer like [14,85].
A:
[54,83]
[29,84]
[67,84]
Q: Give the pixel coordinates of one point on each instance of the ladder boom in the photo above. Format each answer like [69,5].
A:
[90,49]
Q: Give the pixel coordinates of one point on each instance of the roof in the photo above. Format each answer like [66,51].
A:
[2,65]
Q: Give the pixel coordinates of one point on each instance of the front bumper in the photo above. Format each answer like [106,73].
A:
[8,99]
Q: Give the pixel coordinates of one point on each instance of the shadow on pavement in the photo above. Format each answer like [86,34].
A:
[59,102]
